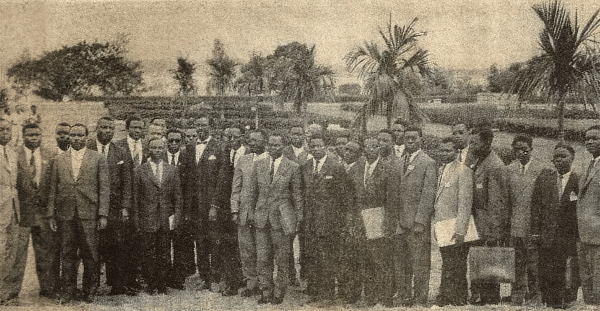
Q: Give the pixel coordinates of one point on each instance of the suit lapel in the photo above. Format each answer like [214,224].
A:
[85,161]
[147,169]
[413,164]
[590,176]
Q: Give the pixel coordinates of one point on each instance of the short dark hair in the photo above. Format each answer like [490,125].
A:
[317,136]
[484,130]
[133,118]
[278,134]
[565,146]
[107,119]
[82,125]
[415,128]
[522,138]
[593,127]
[63,124]
[401,122]
[450,139]
[388,132]
[156,118]
[262,132]
[173,130]
[30,125]
[459,122]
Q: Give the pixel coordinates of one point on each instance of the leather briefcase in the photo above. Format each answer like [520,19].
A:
[492,264]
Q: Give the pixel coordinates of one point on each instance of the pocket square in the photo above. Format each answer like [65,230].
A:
[479,186]
[411,167]
[573,196]
[120,162]
[447,185]
[212,157]
[328,177]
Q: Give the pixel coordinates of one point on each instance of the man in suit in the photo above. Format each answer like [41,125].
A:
[521,176]
[398,129]
[134,152]
[242,209]
[554,228]
[461,133]
[277,217]
[13,237]
[588,221]
[79,202]
[114,251]
[156,211]
[454,201]
[490,197]
[202,163]
[386,140]
[350,277]
[223,228]
[413,241]
[62,137]
[326,198]
[34,164]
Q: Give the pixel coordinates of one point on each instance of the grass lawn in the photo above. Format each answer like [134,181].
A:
[88,113]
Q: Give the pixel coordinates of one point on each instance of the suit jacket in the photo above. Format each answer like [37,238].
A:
[9,198]
[279,202]
[126,152]
[326,198]
[89,195]
[417,192]
[554,219]
[454,198]
[490,195]
[154,200]
[200,181]
[33,199]
[288,152]
[119,167]
[588,207]
[243,189]
[517,220]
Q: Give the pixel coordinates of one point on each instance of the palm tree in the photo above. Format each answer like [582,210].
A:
[390,74]
[221,72]
[252,76]
[569,63]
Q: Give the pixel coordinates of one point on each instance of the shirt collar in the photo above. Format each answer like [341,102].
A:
[206,140]
[173,154]
[130,140]
[78,153]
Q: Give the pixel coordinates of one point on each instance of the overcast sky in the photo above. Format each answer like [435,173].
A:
[462,34]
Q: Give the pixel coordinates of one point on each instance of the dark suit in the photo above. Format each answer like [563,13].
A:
[278,210]
[417,195]
[377,190]
[490,197]
[113,247]
[326,198]
[154,202]
[200,186]
[33,202]
[77,204]
[554,223]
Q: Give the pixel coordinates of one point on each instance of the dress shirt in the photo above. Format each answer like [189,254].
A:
[157,170]
[135,146]
[523,168]
[260,156]
[200,146]
[170,156]
[238,154]
[399,150]
[76,159]
[443,172]
[349,166]
[562,182]
[318,164]
[38,163]
[99,148]
[369,168]
[297,151]
[276,163]
[462,155]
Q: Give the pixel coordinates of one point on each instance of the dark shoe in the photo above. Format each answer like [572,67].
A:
[441,301]
[249,292]
[277,300]
[229,292]
[161,291]
[118,290]
[264,299]
[47,294]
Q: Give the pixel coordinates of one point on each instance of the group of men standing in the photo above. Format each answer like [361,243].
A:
[158,209]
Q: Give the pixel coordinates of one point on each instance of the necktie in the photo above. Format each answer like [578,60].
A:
[441,175]
[173,160]
[5,154]
[522,169]
[560,185]
[32,163]
[272,169]
[136,158]
[232,162]
[104,150]
[406,160]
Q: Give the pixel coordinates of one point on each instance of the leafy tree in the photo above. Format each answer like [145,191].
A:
[504,81]
[569,63]
[253,75]
[74,70]
[295,74]
[185,75]
[391,74]
[221,72]
[350,89]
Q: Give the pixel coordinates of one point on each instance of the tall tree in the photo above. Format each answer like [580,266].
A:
[295,73]
[221,72]
[253,75]
[569,64]
[184,75]
[390,74]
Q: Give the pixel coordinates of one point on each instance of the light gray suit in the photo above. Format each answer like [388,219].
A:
[588,220]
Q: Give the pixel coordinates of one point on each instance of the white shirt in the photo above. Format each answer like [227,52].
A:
[318,164]
[99,148]
[297,151]
[38,163]
[369,168]
[170,156]
[523,168]
[157,170]
[200,148]
[259,157]
[443,172]
[563,180]
[238,154]
[276,163]
[399,150]
[463,154]
[135,146]
[76,159]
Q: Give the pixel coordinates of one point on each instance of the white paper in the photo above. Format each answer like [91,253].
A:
[445,229]
[373,221]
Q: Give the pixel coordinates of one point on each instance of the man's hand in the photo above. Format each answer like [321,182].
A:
[418,228]
[102,222]
[235,217]
[458,238]
[52,223]
[124,215]
[212,213]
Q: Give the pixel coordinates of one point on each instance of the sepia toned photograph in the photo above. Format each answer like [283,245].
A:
[299,155]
